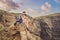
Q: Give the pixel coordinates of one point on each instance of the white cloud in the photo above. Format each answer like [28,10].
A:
[32,10]
[46,6]
[57,1]
[8,4]
[43,8]
[13,4]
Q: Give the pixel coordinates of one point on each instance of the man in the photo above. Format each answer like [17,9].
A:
[20,20]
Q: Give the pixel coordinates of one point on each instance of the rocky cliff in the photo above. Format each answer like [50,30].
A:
[10,29]
[40,28]
[50,26]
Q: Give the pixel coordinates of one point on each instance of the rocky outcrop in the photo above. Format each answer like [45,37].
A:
[50,27]
[10,29]
[42,28]
[55,27]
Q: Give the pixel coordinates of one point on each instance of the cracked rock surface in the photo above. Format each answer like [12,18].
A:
[10,29]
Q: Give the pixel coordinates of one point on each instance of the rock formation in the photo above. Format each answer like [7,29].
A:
[10,29]
[40,28]
[50,27]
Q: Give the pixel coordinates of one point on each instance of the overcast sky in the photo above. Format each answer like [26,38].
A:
[32,7]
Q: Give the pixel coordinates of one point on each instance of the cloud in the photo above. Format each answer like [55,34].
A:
[13,4]
[32,10]
[43,8]
[46,6]
[57,1]
[8,4]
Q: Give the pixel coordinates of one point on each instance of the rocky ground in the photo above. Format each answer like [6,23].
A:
[10,29]
[40,28]
[50,27]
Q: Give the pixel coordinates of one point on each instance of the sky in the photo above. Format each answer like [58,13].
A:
[33,8]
